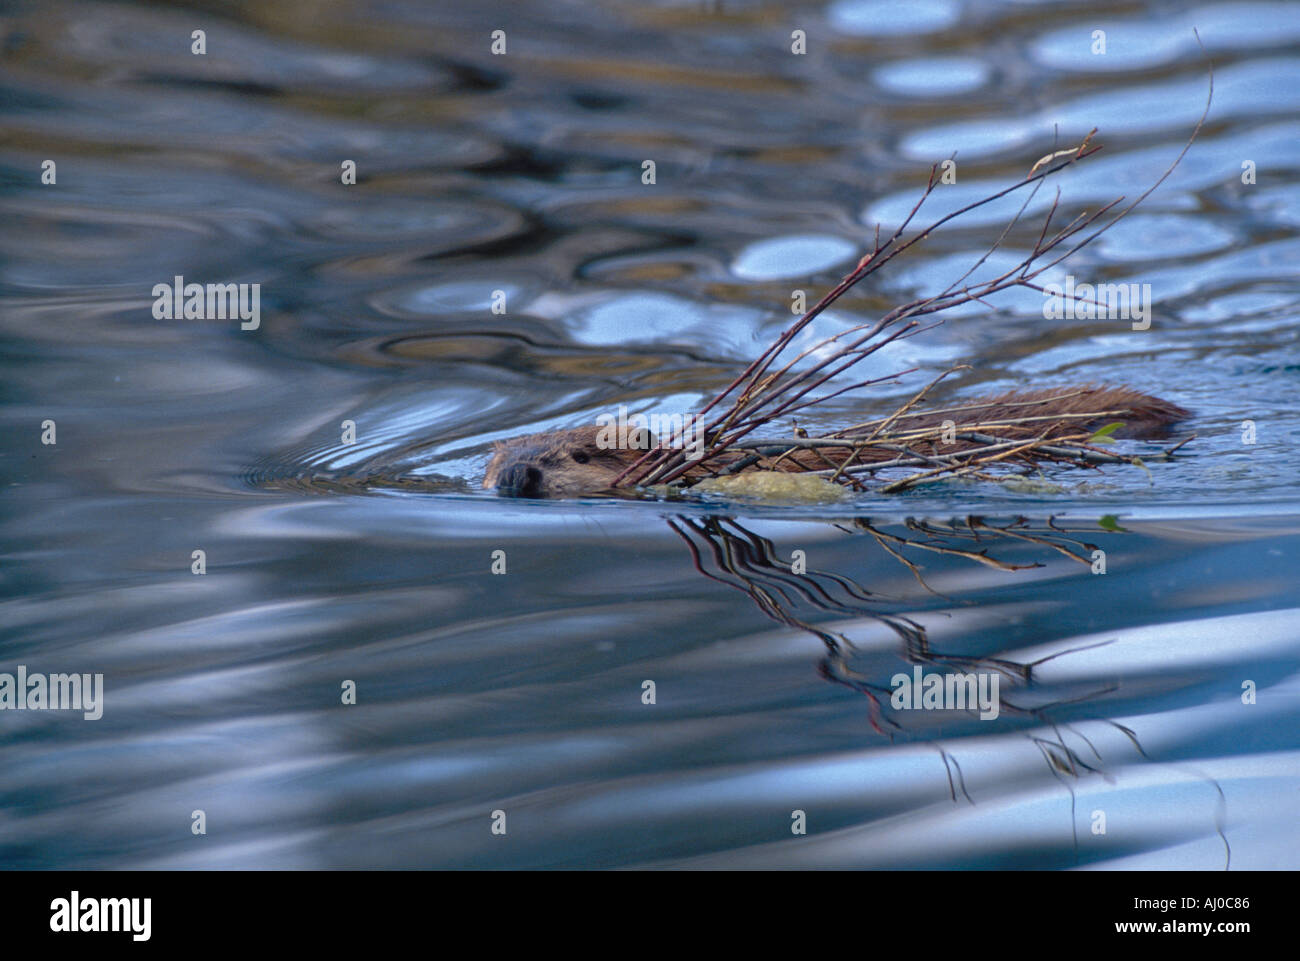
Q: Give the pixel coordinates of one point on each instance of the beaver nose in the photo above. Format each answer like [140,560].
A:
[520,480]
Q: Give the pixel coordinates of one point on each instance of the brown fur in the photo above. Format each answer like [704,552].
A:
[570,463]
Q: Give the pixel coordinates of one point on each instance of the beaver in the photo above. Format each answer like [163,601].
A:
[579,461]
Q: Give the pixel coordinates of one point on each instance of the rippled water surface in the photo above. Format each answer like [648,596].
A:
[517,179]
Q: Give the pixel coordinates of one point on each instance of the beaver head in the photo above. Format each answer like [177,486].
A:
[562,463]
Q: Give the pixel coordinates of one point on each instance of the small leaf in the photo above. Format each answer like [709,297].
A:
[1103,436]
[1111,523]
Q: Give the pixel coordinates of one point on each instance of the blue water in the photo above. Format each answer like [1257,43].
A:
[1159,699]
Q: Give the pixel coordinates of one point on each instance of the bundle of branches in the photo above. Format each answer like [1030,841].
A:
[1023,429]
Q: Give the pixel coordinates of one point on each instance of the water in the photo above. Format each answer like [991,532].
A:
[1120,693]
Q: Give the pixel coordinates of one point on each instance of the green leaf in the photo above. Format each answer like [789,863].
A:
[1111,523]
[1103,436]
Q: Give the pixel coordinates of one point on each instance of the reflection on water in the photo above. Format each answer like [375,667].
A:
[326,561]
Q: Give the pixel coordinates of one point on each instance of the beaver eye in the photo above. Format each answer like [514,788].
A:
[580,457]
